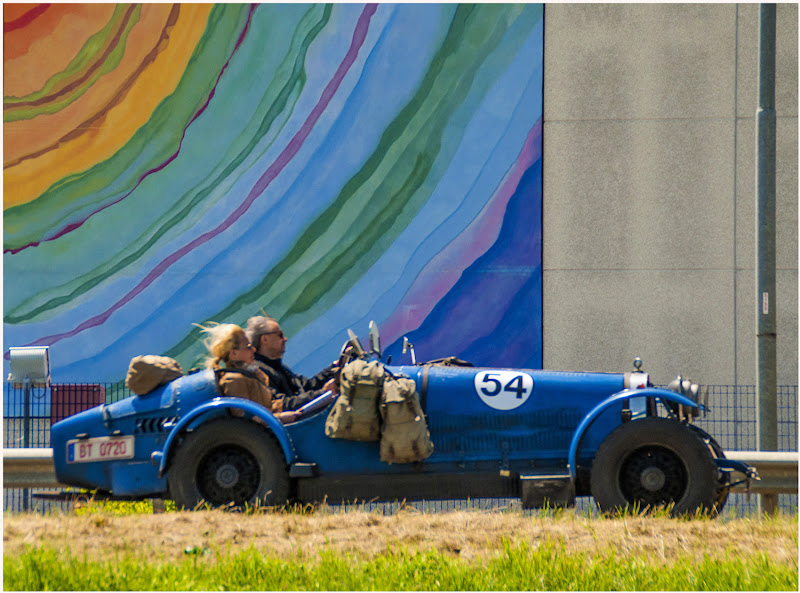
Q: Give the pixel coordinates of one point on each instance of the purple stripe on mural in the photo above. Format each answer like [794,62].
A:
[359,36]
[444,270]
[76,225]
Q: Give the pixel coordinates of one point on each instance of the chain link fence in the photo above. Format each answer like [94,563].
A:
[732,421]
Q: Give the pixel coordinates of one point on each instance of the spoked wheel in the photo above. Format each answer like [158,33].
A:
[229,462]
[653,476]
[654,462]
[228,473]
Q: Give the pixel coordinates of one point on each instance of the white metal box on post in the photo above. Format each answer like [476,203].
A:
[30,363]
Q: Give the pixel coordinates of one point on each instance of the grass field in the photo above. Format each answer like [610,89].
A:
[111,548]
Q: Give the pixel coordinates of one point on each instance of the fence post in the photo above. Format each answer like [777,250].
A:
[26,431]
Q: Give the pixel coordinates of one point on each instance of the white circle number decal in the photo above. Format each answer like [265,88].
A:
[503,390]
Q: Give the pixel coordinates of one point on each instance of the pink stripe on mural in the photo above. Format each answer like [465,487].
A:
[444,270]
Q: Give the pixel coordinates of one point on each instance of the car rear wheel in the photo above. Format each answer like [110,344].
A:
[651,463]
[229,462]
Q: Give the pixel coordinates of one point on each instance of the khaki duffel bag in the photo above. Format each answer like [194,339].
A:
[405,437]
[355,414]
[147,372]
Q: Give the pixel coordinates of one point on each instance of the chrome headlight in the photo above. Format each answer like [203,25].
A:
[685,387]
[690,389]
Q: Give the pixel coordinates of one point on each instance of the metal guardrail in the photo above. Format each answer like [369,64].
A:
[29,468]
[777,471]
[33,468]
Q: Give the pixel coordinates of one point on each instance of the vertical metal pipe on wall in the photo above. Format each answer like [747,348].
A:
[766,326]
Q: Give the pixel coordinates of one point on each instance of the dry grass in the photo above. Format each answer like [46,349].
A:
[471,535]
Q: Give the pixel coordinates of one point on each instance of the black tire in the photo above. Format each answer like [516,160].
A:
[229,462]
[652,463]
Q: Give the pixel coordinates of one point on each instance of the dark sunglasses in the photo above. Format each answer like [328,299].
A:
[279,332]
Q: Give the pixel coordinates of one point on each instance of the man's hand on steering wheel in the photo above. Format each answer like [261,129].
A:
[345,356]
[332,385]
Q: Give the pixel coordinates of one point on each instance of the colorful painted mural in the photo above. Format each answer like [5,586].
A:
[170,164]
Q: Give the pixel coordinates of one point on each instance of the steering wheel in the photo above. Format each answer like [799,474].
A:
[346,354]
[351,350]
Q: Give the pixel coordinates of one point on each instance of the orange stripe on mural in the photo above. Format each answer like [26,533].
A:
[108,130]
[32,138]
[80,77]
[45,46]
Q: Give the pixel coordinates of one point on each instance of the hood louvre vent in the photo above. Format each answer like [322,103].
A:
[154,425]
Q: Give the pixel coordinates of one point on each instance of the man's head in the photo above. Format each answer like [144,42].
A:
[267,337]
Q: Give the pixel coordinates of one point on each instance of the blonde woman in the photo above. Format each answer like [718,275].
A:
[231,352]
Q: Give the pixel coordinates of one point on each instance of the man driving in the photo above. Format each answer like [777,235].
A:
[293,390]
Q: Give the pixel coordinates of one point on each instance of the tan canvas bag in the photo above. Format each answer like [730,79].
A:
[147,372]
[405,437]
[355,415]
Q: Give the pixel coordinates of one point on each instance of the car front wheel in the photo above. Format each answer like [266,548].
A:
[654,462]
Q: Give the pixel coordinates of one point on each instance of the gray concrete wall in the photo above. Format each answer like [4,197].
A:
[649,184]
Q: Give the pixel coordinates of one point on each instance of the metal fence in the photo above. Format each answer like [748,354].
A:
[732,417]
[732,422]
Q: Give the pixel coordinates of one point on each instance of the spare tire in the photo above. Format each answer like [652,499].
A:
[651,463]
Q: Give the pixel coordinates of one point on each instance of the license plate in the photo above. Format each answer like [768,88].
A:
[99,449]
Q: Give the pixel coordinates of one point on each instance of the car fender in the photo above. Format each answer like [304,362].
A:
[273,425]
[663,394]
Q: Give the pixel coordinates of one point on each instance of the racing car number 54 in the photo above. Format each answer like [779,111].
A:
[503,389]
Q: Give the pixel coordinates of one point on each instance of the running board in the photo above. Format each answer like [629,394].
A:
[547,489]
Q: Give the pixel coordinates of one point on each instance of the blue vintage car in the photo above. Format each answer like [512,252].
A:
[543,436]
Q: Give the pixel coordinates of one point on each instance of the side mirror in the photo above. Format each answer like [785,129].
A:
[409,346]
[374,339]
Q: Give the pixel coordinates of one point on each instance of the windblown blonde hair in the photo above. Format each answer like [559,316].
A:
[220,339]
